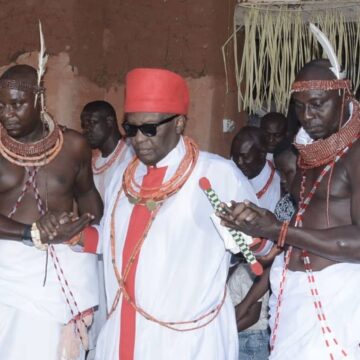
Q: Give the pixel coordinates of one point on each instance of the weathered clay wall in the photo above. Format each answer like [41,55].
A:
[94,43]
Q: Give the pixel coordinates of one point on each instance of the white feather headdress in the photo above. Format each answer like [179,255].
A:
[42,60]
[329,51]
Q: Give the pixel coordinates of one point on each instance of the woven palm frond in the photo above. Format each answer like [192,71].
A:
[278,43]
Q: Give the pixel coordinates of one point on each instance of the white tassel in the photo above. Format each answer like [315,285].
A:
[42,60]
[70,345]
[329,51]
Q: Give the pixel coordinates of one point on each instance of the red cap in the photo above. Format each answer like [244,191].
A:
[156,90]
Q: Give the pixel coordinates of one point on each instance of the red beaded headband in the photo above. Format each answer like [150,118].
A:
[21,85]
[326,85]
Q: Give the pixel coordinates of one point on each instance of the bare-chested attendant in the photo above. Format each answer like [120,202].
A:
[315,308]
[43,169]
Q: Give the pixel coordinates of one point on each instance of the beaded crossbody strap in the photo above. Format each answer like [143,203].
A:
[205,319]
[30,183]
[116,153]
[328,335]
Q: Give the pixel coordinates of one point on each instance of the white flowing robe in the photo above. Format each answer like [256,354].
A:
[32,315]
[182,267]
[270,157]
[102,182]
[299,336]
[273,193]
[269,199]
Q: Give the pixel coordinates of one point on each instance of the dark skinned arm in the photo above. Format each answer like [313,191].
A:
[11,229]
[87,197]
[59,227]
[89,203]
[249,318]
[339,244]
[14,230]
[248,311]
[259,288]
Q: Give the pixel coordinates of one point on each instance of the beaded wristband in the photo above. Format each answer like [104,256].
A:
[36,238]
[26,236]
[27,233]
[283,233]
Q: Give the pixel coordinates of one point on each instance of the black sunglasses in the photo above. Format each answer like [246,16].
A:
[147,129]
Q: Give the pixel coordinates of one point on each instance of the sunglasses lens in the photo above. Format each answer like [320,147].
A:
[148,129]
[130,130]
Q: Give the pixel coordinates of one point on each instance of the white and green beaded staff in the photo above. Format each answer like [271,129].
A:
[238,236]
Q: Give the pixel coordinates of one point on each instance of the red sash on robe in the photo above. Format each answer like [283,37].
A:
[139,220]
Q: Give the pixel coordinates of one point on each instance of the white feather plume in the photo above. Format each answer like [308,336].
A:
[328,50]
[42,60]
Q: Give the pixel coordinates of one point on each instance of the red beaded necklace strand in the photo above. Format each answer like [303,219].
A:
[113,157]
[262,192]
[34,154]
[158,196]
[151,196]
[304,202]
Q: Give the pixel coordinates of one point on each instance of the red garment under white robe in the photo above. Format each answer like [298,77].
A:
[181,270]
[102,182]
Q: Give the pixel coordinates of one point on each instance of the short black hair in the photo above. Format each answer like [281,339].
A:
[274,116]
[318,69]
[284,145]
[105,108]
[20,72]
[250,132]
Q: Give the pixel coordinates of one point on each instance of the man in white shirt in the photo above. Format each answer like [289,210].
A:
[248,151]
[110,154]
[110,150]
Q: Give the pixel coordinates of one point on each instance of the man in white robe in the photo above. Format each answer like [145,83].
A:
[177,278]
[110,149]
[111,152]
[248,151]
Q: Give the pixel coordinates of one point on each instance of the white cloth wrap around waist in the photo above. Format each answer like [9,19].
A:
[299,335]
[22,273]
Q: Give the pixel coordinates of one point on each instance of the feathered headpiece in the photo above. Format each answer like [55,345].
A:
[329,51]
[339,83]
[43,57]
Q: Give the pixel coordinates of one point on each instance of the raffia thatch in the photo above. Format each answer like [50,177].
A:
[278,43]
